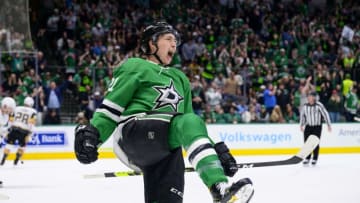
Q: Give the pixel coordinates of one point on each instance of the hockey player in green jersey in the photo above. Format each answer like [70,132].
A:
[148,111]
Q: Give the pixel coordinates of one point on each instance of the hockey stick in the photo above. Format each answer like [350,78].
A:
[122,173]
[307,149]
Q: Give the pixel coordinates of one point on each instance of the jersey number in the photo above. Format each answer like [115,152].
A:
[24,118]
[112,84]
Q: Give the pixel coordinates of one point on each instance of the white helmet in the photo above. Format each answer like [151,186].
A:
[8,102]
[29,101]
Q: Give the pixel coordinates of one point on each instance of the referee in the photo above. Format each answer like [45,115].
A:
[312,115]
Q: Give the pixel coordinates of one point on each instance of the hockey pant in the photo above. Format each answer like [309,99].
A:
[154,144]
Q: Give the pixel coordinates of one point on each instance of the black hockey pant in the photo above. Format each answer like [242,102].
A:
[164,181]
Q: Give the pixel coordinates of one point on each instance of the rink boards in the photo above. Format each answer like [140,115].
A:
[56,142]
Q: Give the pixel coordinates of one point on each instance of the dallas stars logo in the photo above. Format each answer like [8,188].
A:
[168,97]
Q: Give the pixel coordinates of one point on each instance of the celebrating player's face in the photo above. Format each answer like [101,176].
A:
[166,48]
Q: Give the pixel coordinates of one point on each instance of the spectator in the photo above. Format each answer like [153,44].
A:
[276,115]
[11,84]
[53,24]
[230,88]
[282,97]
[98,31]
[351,104]
[39,105]
[334,106]
[253,114]
[270,98]
[189,51]
[261,43]
[348,63]
[290,116]
[208,115]
[62,44]
[347,84]
[70,58]
[304,88]
[213,96]
[70,23]
[246,117]
[200,47]
[53,95]
[281,59]
[52,117]
[96,100]
[263,116]
[220,80]
[220,116]
[17,64]
[84,99]
[198,96]
[241,107]
[234,117]
[208,68]
[84,80]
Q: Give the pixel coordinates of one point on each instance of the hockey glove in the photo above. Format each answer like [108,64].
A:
[86,143]
[227,160]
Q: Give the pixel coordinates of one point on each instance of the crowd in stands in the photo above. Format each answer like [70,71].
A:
[14,33]
[248,61]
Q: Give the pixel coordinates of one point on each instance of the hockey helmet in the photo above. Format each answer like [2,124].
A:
[152,32]
[8,102]
[29,101]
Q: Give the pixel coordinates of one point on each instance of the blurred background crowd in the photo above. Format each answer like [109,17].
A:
[247,60]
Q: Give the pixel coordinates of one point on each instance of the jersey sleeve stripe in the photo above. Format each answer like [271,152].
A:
[157,119]
[109,114]
[109,109]
[112,105]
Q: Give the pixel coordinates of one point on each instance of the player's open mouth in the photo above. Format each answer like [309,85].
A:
[171,54]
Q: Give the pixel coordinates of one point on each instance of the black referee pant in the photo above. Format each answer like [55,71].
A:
[313,130]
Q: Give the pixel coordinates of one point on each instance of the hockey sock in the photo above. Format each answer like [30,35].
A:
[6,154]
[17,158]
[19,154]
[189,131]
[4,159]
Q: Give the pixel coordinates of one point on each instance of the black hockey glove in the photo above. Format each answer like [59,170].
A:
[86,143]
[227,160]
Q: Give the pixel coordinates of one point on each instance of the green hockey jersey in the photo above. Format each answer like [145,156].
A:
[140,86]
[351,102]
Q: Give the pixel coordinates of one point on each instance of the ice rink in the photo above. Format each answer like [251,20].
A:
[336,179]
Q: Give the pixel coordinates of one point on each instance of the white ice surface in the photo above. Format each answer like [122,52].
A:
[336,179]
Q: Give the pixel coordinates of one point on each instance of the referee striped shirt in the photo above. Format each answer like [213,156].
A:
[313,115]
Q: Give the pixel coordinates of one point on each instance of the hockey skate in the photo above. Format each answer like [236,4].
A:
[239,192]
[313,162]
[306,162]
[16,161]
